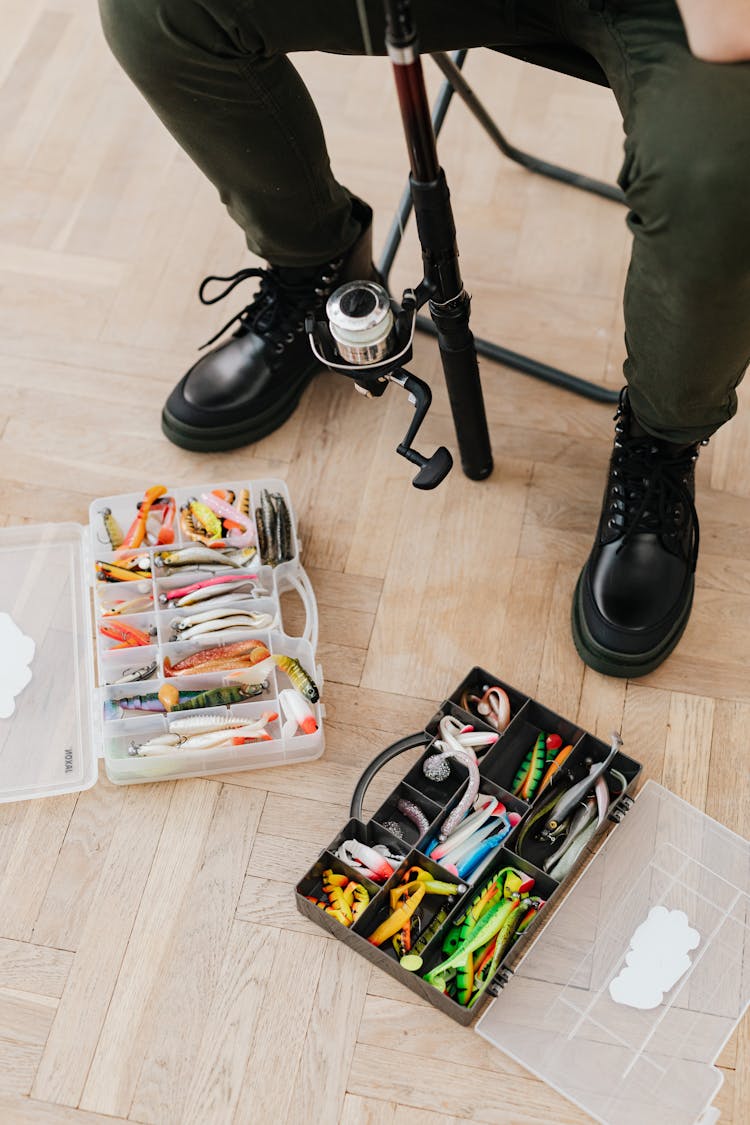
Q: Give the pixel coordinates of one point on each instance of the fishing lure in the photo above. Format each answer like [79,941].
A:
[298,711]
[112,528]
[343,898]
[199,555]
[202,724]
[376,863]
[133,605]
[571,797]
[527,779]
[121,572]
[229,581]
[236,619]
[136,533]
[145,672]
[489,922]
[216,697]
[300,679]
[274,528]
[205,518]
[493,706]
[584,815]
[148,704]
[413,813]
[220,508]
[553,766]
[210,732]
[127,635]
[405,900]
[218,658]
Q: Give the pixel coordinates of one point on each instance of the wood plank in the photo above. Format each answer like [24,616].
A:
[33,968]
[182,1000]
[115,1066]
[93,975]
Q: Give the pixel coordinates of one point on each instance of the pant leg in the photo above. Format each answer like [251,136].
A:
[216,73]
[685,176]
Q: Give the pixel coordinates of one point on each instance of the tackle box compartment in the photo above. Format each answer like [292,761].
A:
[549,1004]
[58,692]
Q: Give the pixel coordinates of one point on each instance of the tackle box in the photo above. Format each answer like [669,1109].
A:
[549,1005]
[54,721]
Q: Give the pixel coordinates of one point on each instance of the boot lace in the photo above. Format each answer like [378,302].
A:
[650,491]
[277,311]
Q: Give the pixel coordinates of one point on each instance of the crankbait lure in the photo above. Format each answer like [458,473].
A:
[300,679]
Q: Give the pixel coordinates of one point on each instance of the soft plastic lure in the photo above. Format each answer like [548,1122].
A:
[300,679]
[217,658]
[136,533]
[216,697]
[527,779]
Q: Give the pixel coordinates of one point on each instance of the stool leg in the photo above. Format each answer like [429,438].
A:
[451,71]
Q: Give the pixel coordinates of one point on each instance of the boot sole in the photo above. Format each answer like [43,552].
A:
[217,439]
[620,664]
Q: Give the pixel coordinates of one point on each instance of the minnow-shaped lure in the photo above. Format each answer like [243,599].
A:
[300,679]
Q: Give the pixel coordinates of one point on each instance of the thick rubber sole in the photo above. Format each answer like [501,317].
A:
[622,665]
[217,439]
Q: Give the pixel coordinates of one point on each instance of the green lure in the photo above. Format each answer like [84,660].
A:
[301,679]
[526,781]
[219,697]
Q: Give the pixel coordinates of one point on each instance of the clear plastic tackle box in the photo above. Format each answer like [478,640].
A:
[56,723]
[570,1000]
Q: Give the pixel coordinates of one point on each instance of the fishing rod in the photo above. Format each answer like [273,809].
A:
[368,336]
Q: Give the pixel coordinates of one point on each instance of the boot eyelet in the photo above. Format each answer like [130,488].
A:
[279,347]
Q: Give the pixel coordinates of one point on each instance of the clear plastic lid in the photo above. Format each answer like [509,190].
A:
[628,1025]
[46,665]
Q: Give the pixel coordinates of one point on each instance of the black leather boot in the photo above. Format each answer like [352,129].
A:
[246,387]
[634,595]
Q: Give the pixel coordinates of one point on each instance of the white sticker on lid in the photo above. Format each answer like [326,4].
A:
[656,959]
[16,654]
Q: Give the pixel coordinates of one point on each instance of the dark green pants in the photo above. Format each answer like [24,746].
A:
[216,73]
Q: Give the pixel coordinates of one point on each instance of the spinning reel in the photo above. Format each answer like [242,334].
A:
[368,337]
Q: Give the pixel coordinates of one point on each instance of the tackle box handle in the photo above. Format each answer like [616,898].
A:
[301,583]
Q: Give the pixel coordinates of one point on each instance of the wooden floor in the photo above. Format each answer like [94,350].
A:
[152,966]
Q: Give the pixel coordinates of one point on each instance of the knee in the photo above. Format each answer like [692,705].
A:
[693,194]
[134,33]
[157,39]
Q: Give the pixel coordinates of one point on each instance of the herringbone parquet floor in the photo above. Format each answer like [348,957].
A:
[152,966]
